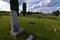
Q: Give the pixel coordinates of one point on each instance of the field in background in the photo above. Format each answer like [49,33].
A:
[42,30]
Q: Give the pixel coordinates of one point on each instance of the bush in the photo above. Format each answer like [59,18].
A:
[39,16]
[56,13]
[0,15]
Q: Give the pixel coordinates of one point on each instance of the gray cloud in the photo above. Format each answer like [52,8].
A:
[39,5]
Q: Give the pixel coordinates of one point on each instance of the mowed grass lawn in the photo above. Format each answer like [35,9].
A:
[42,30]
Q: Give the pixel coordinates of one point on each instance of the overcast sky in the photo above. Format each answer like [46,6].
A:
[47,6]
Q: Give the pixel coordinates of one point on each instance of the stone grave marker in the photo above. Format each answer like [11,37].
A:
[32,22]
[30,37]
[53,27]
[15,27]
[46,16]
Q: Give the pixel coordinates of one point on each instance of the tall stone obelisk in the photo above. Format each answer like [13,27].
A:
[15,27]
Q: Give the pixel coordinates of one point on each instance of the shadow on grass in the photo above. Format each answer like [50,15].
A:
[51,17]
[40,38]
[25,35]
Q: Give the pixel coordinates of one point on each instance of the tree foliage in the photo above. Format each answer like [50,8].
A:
[56,13]
[14,6]
[24,9]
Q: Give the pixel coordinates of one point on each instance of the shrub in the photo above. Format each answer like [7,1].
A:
[39,16]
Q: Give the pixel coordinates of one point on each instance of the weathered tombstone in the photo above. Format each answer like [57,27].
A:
[32,22]
[15,27]
[33,15]
[55,30]
[30,37]
[46,16]
[58,17]
[53,27]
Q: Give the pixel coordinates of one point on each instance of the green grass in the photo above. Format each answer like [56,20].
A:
[42,30]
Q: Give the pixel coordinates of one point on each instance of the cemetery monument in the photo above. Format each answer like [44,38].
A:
[15,27]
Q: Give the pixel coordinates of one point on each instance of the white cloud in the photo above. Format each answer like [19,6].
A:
[4,6]
[20,8]
[6,0]
[41,4]
[33,5]
[45,9]
[44,2]
[29,1]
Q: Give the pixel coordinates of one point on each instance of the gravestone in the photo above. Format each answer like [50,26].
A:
[15,27]
[30,37]
[53,27]
[46,16]
[58,17]
[32,22]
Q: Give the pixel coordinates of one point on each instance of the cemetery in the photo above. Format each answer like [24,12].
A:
[29,25]
[42,29]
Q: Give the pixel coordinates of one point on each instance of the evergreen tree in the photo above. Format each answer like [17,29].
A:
[24,9]
[56,13]
[14,6]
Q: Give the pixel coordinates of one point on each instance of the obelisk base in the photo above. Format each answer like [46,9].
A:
[14,34]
